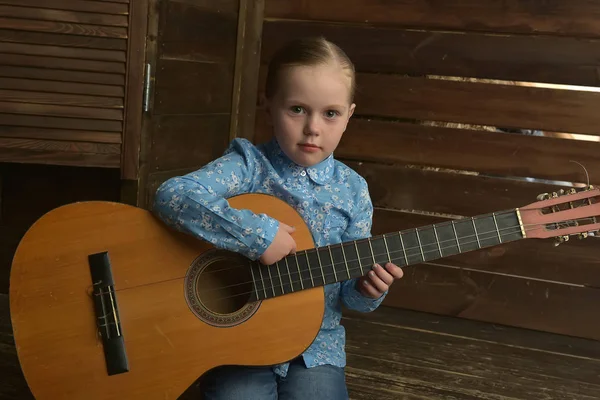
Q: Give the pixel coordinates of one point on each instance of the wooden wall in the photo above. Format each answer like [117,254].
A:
[192,49]
[421,172]
[71,75]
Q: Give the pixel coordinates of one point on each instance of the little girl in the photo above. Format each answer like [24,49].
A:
[309,98]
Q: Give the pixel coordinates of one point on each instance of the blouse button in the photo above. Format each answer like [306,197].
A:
[303,173]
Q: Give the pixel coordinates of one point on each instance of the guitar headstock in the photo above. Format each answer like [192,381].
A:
[563,214]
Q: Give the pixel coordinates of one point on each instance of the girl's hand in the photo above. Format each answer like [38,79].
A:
[283,244]
[379,280]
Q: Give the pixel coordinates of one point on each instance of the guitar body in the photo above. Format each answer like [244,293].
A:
[179,314]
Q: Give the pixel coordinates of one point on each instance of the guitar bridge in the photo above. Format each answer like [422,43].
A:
[107,314]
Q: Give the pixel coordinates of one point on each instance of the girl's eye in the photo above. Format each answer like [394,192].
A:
[296,109]
[332,114]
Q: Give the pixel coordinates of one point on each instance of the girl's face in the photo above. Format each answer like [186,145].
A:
[310,111]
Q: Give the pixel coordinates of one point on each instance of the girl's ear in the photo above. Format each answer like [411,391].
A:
[351,111]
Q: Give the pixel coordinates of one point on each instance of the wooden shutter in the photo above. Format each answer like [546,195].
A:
[69,71]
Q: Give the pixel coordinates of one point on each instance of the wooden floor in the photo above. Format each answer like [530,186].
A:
[398,354]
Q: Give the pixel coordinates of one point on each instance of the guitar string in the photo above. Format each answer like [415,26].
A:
[271,287]
[479,235]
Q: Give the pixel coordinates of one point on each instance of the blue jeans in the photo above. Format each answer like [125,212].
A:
[325,382]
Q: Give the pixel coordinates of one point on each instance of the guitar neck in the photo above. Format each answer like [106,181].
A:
[336,263]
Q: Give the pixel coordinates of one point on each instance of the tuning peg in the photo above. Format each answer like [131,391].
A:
[572,191]
[560,239]
[590,187]
[543,196]
[582,235]
[561,192]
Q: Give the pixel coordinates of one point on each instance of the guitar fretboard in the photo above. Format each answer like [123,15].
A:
[336,263]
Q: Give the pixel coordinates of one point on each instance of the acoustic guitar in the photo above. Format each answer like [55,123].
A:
[107,302]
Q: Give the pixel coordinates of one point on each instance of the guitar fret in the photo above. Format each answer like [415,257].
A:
[262,280]
[497,230]
[437,240]
[280,281]
[476,234]
[254,281]
[299,273]
[332,263]
[287,266]
[362,272]
[456,236]
[321,265]
[403,248]
[271,279]
[420,245]
[387,250]
[372,253]
[345,261]
[309,269]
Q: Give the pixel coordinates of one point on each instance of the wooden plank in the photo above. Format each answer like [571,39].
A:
[478,103]
[45,14]
[60,98]
[197,32]
[402,354]
[574,262]
[184,87]
[506,106]
[556,17]
[59,152]
[446,192]
[59,134]
[60,111]
[188,141]
[561,60]
[61,87]
[63,27]
[247,65]
[103,7]
[59,51]
[546,306]
[61,123]
[62,75]
[492,153]
[136,57]
[88,42]
[62,63]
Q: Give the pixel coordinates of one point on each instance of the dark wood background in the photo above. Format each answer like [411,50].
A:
[427,148]
[434,79]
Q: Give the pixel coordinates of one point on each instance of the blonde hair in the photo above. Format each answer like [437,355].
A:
[309,51]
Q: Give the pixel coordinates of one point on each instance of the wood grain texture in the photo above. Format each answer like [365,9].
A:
[63,63]
[508,106]
[547,59]
[61,75]
[103,7]
[184,87]
[478,103]
[198,31]
[60,152]
[404,354]
[62,40]
[134,90]
[59,122]
[406,188]
[61,111]
[491,153]
[204,137]
[572,263]
[63,27]
[247,66]
[60,99]
[556,17]
[49,86]
[60,134]
[45,14]
[484,286]
[60,51]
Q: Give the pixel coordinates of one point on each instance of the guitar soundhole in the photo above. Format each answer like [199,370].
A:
[218,288]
